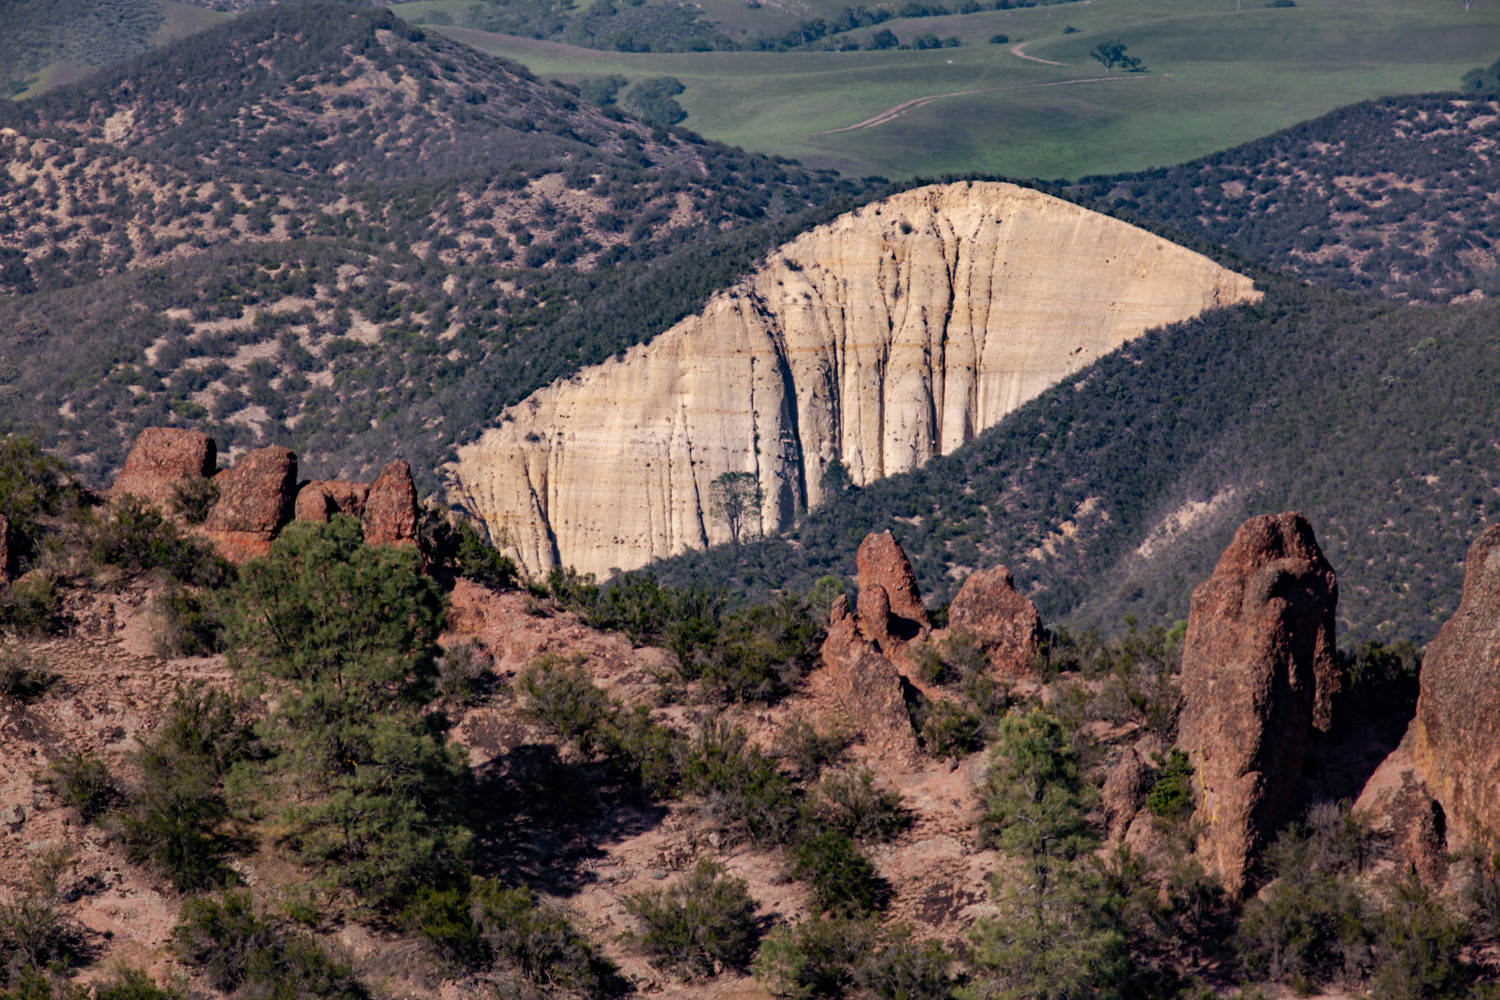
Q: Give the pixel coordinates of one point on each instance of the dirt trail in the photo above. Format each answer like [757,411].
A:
[1015,50]
[896,111]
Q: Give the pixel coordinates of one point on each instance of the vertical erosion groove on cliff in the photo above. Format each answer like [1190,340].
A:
[888,336]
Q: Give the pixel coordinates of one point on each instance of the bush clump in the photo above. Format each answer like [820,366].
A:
[699,927]
[245,953]
[22,677]
[83,783]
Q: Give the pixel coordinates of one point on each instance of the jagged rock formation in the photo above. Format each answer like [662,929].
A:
[1453,739]
[160,460]
[891,335]
[1258,673]
[1007,625]
[391,509]
[869,688]
[260,494]
[886,574]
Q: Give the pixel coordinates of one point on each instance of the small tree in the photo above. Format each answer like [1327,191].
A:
[1112,54]
[732,497]
[1057,936]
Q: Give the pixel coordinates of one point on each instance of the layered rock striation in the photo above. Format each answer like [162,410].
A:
[893,334]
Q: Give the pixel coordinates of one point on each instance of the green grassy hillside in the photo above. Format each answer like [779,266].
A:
[1113,493]
[1217,77]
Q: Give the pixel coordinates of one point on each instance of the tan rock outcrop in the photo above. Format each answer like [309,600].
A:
[893,334]
[255,499]
[1258,673]
[1454,741]
[160,459]
[1007,625]
[391,508]
[320,500]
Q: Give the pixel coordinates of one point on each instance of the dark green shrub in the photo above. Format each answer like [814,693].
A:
[699,927]
[193,498]
[243,952]
[522,931]
[191,623]
[82,783]
[739,787]
[454,545]
[1417,948]
[442,918]
[762,652]
[1171,796]
[948,729]
[32,604]
[135,537]
[805,750]
[172,821]
[33,485]
[562,696]
[850,803]
[842,880]
[835,958]
[133,984]
[325,607]
[464,676]
[35,937]
[816,958]
[1311,926]
[22,677]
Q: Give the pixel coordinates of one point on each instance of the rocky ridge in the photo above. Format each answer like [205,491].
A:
[894,334]
[260,494]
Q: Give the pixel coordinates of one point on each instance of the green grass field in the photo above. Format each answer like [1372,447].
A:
[1217,76]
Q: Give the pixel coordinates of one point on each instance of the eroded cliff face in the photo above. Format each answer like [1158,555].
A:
[888,336]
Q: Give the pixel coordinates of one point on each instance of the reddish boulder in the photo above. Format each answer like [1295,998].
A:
[318,501]
[868,688]
[1124,792]
[1455,743]
[1007,625]
[255,500]
[391,508]
[1400,811]
[1258,673]
[161,458]
[881,561]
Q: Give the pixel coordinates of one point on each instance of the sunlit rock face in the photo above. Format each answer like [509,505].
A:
[893,334]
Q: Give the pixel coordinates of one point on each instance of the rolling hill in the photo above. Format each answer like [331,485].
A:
[347,235]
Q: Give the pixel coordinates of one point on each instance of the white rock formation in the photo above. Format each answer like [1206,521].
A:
[890,335]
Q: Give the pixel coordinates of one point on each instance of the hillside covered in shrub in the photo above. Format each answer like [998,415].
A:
[1111,493]
[346,234]
[1396,196]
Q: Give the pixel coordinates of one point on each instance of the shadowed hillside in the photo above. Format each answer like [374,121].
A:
[1112,493]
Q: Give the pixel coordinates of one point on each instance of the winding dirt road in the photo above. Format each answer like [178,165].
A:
[1015,50]
[897,110]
